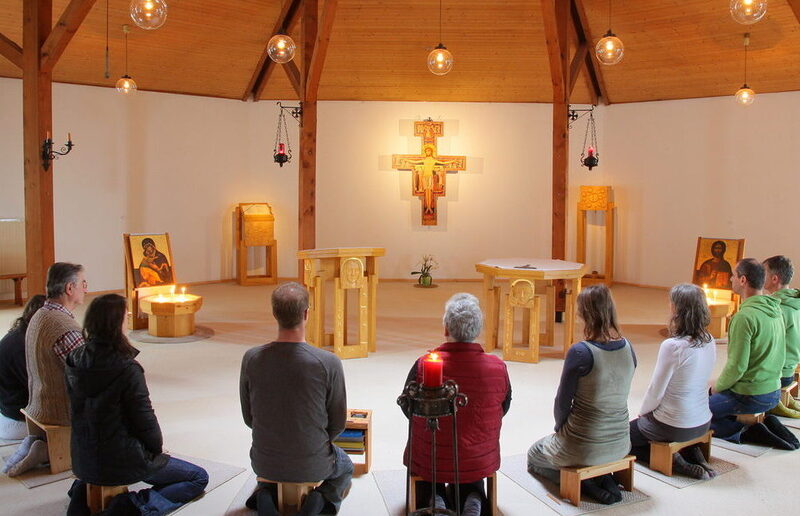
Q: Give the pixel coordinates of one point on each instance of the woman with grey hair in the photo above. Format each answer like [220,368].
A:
[675,407]
[483,378]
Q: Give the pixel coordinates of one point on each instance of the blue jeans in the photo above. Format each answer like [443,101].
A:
[726,404]
[786,381]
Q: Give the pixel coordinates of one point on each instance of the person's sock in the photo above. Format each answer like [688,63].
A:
[782,410]
[760,434]
[313,504]
[265,502]
[609,483]
[694,455]
[21,451]
[472,505]
[686,468]
[591,487]
[251,502]
[37,454]
[777,428]
[439,502]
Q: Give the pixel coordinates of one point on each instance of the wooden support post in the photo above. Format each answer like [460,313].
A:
[37,115]
[10,50]
[795,5]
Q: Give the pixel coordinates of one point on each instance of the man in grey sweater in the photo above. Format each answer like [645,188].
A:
[293,397]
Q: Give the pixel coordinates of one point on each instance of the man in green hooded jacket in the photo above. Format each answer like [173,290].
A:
[779,273]
[750,381]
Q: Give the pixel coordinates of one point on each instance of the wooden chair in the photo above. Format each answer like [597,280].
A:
[290,494]
[788,393]
[58,445]
[661,453]
[99,497]
[491,493]
[571,477]
[750,419]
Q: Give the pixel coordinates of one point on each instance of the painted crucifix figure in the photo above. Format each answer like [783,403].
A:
[428,181]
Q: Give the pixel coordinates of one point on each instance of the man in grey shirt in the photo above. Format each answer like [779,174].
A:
[293,397]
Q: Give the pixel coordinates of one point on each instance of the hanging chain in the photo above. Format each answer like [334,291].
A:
[590,128]
[440,22]
[282,134]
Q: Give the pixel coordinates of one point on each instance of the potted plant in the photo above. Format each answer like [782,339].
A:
[426,265]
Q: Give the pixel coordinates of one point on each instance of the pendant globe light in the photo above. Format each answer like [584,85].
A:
[745,96]
[126,85]
[440,60]
[748,12]
[281,46]
[148,14]
[609,50]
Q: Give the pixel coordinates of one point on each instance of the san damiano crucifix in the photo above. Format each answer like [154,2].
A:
[428,181]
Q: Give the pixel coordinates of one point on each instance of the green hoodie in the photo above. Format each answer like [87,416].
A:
[790,306]
[756,349]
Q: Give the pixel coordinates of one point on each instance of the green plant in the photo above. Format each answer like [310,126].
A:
[426,265]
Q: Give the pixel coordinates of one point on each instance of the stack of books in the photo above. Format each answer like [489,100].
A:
[351,441]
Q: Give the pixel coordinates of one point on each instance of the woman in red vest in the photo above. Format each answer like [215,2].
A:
[483,378]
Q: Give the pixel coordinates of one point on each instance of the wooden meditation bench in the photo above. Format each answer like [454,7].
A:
[661,453]
[571,477]
[99,497]
[491,494]
[290,494]
[788,392]
[17,278]
[58,445]
[750,419]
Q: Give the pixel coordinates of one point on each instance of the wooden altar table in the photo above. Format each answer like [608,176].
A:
[523,274]
[350,268]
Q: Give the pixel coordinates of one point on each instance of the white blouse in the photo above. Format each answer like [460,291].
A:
[678,392]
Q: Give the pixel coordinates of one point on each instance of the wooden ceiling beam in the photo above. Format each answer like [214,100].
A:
[62,33]
[10,50]
[295,77]
[266,66]
[555,33]
[795,5]
[593,67]
[578,61]
[320,49]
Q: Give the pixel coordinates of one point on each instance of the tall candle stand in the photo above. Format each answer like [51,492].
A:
[432,403]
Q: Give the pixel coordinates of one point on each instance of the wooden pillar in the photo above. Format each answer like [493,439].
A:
[307,224]
[37,115]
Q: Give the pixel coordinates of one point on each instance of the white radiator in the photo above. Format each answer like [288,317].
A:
[12,251]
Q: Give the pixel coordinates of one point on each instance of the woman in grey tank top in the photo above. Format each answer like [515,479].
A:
[591,407]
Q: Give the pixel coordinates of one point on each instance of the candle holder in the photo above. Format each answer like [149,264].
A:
[432,403]
[48,154]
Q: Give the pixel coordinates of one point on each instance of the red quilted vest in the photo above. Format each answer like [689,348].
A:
[484,379]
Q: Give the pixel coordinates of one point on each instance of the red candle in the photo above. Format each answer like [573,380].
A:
[590,151]
[281,148]
[432,367]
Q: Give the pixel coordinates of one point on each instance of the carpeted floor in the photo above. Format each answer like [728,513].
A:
[194,388]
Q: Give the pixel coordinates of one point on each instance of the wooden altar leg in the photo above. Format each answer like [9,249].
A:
[533,329]
[526,324]
[489,293]
[364,317]
[339,317]
[508,330]
[550,315]
[573,287]
[318,315]
[373,310]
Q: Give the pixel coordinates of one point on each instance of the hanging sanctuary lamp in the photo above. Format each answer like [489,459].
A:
[440,60]
[282,150]
[589,156]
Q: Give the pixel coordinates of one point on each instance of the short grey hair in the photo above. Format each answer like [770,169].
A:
[289,303]
[59,275]
[463,317]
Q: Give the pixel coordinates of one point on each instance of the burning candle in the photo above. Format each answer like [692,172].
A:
[590,150]
[172,290]
[69,137]
[183,291]
[281,148]
[432,367]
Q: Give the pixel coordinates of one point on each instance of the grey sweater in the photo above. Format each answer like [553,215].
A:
[293,397]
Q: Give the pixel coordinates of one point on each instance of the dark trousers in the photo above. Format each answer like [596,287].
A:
[447,492]
[786,381]
[175,484]
[727,404]
[647,428]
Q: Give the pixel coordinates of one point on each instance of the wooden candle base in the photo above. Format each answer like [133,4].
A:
[172,316]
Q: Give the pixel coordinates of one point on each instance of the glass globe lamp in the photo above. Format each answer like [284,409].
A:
[745,96]
[281,48]
[148,14]
[126,85]
[609,50]
[440,60]
[748,12]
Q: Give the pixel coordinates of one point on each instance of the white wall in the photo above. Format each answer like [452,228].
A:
[159,162]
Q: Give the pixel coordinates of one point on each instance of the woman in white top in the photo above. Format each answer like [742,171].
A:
[675,407]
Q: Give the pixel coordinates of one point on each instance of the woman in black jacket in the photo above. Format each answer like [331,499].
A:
[116,439]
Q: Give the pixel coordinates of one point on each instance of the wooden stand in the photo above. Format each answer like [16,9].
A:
[99,497]
[58,442]
[596,198]
[750,419]
[661,453]
[290,494]
[491,493]
[17,279]
[255,227]
[361,419]
[350,269]
[523,295]
[171,318]
[571,477]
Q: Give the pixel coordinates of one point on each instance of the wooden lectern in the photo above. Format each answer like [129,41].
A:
[255,227]
[350,269]
[596,198]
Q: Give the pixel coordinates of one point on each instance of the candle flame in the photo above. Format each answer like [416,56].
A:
[172,290]
[433,356]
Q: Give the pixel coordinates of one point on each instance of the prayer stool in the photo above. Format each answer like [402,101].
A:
[58,442]
[99,497]
[291,494]
[571,477]
[797,373]
[750,419]
[491,493]
[661,453]
[788,392]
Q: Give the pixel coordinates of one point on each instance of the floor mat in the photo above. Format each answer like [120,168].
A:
[680,481]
